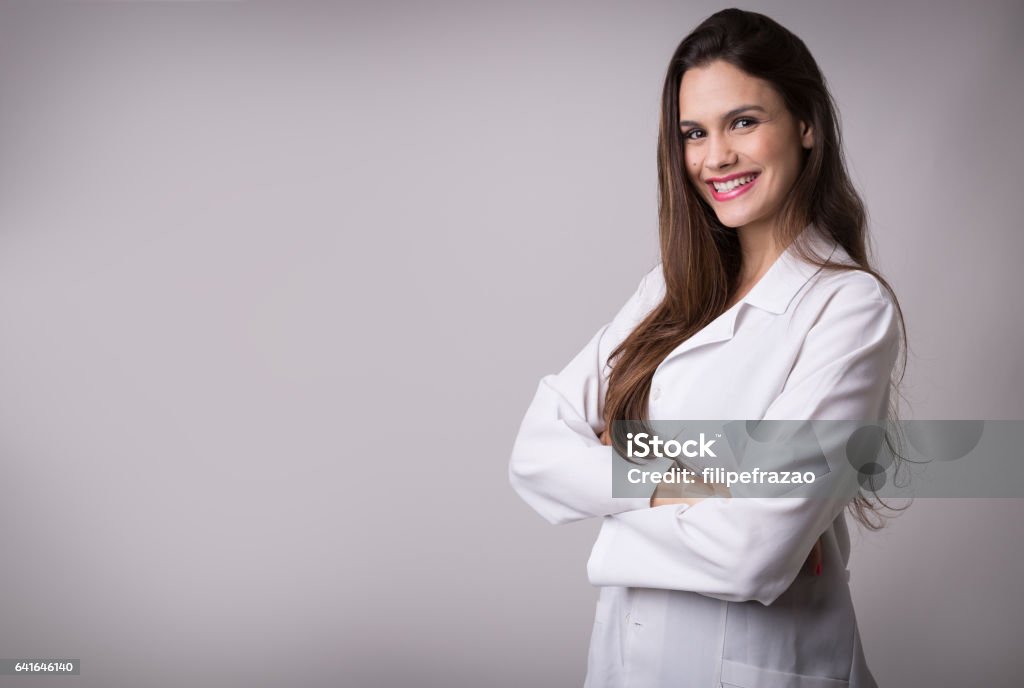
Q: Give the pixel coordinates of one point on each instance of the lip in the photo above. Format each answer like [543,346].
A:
[738,191]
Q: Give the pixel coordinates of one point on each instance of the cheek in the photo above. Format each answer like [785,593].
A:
[692,166]
[784,156]
[694,177]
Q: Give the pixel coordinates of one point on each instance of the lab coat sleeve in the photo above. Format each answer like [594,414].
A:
[558,465]
[752,548]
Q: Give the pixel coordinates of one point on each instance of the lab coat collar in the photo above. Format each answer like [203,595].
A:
[772,293]
[789,273]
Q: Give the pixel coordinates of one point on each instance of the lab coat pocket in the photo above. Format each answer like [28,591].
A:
[738,675]
[804,639]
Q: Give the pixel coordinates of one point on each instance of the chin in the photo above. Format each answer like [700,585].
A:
[741,217]
[735,220]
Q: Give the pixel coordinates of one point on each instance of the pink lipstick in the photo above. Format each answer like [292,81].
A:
[733,190]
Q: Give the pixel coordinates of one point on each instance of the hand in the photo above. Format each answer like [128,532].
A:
[662,501]
[671,493]
[814,560]
[689,494]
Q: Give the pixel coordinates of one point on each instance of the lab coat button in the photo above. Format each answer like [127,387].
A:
[655,393]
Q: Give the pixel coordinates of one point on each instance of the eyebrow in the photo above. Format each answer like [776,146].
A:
[729,115]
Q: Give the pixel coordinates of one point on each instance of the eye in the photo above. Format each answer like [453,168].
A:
[693,134]
[745,122]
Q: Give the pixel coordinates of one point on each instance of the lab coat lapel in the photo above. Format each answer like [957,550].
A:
[718,330]
[772,293]
[789,273]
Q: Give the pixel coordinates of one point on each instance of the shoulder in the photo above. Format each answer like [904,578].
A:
[652,285]
[645,298]
[848,310]
[848,285]
[648,294]
[843,283]
[842,301]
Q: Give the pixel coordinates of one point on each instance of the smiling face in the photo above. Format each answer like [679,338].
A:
[742,148]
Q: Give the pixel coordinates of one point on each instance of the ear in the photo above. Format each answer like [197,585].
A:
[806,135]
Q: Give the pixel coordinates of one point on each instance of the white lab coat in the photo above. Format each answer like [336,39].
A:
[713,595]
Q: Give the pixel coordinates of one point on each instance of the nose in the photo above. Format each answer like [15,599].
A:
[720,153]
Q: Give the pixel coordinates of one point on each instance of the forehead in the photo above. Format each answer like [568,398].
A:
[716,88]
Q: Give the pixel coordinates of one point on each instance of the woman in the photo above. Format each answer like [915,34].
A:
[764,307]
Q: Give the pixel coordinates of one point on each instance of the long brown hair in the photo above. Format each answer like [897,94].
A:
[701,258]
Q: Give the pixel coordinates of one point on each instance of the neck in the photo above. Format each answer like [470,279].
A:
[761,248]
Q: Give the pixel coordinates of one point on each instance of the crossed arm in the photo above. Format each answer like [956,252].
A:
[663,496]
[732,549]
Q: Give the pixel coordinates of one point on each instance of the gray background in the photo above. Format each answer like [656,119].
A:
[277,283]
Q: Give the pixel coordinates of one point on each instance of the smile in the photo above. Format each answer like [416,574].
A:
[730,189]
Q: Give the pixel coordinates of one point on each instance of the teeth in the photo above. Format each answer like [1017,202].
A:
[733,183]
